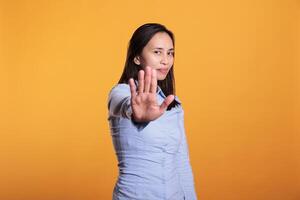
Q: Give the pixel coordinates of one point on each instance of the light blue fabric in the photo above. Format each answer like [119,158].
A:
[153,157]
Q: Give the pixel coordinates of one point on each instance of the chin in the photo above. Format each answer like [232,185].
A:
[161,78]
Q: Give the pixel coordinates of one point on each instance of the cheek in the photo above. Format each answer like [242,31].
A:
[151,61]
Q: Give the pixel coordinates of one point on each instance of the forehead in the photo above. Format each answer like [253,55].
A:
[160,40]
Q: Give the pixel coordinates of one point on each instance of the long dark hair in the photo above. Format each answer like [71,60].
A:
[138,41]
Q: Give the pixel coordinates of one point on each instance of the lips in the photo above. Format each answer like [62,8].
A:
[164,71]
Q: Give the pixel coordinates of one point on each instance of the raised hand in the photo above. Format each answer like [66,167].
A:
[144,102]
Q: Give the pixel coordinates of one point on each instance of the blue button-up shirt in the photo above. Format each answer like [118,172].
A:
[153,157]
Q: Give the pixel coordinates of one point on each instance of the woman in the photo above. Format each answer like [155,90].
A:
[146,122]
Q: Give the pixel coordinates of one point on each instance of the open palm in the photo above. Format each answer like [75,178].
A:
[144,103]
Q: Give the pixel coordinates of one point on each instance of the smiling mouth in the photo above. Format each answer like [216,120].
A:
[164,71]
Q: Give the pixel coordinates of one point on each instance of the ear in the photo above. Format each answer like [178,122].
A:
[136,60]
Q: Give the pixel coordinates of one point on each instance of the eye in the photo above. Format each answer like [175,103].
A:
[157,52]
[171,53]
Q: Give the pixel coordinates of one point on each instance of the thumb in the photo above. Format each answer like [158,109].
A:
[166,103]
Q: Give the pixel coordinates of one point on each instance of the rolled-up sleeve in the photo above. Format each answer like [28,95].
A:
[184,166]
[119,101]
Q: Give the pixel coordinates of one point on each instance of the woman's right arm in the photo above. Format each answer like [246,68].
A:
[119,101]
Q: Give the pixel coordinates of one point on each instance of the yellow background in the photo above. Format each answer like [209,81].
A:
[237,74]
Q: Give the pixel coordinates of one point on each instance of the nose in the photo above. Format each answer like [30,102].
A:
[164,59]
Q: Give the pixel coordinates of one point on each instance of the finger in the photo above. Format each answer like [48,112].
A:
[132,87]
[153,82]
[166,103]
[141,81]
[147,79]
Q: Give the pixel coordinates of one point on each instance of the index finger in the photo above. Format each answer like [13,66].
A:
[132,88]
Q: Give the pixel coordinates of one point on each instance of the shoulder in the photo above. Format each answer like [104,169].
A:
[118,94]
[177,99]
[179,106]
[119,88]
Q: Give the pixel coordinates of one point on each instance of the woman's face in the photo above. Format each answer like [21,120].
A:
[158,54]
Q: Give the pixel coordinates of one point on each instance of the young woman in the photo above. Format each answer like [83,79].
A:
[146,122]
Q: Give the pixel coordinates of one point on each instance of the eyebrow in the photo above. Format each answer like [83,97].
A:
[172,49]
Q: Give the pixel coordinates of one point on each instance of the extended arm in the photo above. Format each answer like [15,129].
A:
[119,101]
